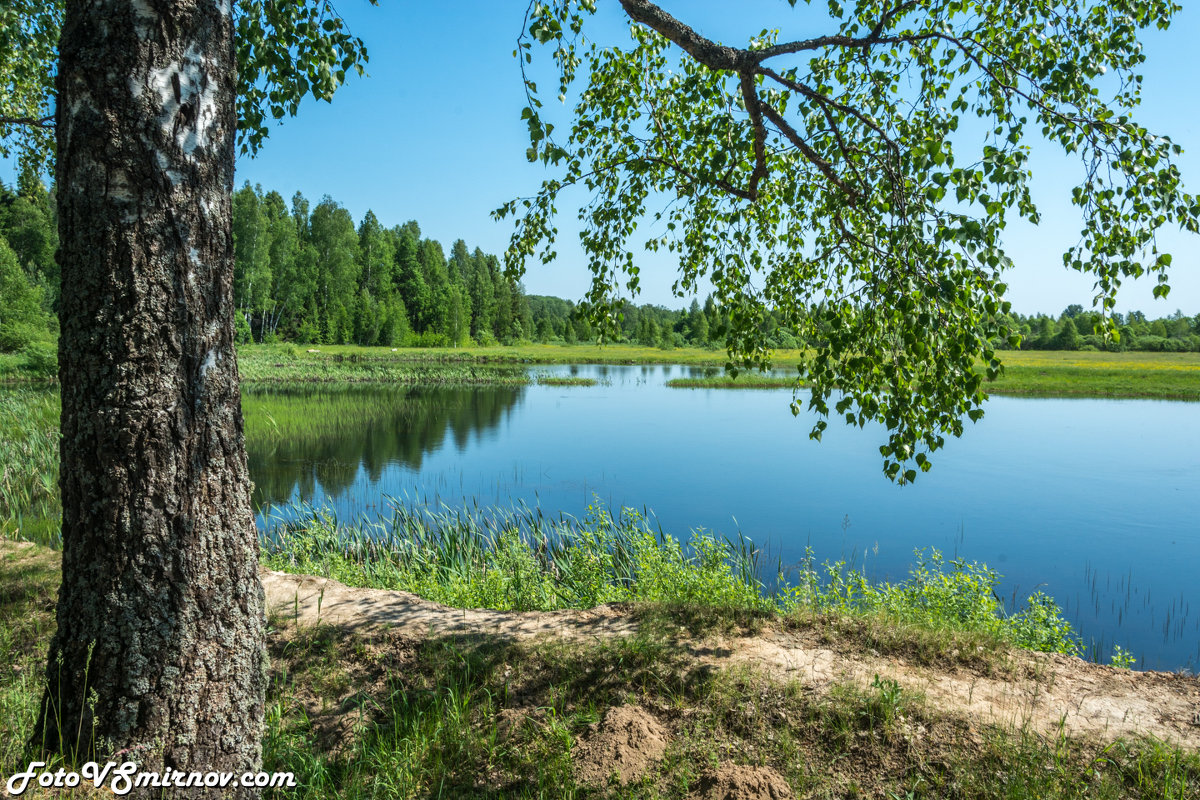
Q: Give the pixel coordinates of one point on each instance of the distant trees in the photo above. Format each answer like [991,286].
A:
[310,275]
[1076,329]
[313,277]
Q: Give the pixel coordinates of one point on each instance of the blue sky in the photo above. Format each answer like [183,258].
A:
[434,134]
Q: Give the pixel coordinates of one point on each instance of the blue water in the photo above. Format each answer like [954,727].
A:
[1094,502]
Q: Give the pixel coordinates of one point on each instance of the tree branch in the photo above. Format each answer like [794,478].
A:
[705,51]
[806,150]
[32,122]
[755,109]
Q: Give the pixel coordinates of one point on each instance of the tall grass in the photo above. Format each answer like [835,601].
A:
[520,559]
[290,364]
[517,559]
[29,502]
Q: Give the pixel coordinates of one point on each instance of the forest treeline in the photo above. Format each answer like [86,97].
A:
[309,274]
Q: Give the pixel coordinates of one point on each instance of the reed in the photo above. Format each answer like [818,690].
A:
[515,559]
[29,501]
[521,559]
[742,381]
[564,380]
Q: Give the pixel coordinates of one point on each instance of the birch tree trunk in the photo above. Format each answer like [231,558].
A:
[160,646]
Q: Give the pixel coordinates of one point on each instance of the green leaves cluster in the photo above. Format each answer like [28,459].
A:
[285,51]
[956,595]
[28,274]
[856,184]
[28,49]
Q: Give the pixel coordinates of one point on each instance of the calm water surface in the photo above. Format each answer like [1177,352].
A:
[1094,502]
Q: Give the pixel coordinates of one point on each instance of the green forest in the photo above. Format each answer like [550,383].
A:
[308,274]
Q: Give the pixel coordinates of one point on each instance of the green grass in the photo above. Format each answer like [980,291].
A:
[1168,376]
[29,503]
[366,713]
[522,560]
[1029,373]
[564,380]
[451,718]
[294,364]
[29,578]
[516,560]
[744,380]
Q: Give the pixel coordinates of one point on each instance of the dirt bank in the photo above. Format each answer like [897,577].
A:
[1041,691]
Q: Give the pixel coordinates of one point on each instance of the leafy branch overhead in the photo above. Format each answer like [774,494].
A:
[285,51]
[857,182]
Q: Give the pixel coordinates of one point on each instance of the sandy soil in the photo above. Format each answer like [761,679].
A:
[1049,692]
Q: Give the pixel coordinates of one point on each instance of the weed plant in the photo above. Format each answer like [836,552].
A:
[958,595]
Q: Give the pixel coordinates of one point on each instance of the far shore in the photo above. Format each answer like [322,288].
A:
[1033,373]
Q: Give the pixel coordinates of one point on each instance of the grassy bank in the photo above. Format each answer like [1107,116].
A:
[371,713]
[293,364]
[1166,376]
[523,560]
[1029,373]
[745,380]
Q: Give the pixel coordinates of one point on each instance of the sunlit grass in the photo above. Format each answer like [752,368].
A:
[1033,373]
[371,713]
[29,501]
[523,560]
[1099,374]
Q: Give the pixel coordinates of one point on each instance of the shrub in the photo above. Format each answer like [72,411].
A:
[16,336]
[41,358]
[241,329]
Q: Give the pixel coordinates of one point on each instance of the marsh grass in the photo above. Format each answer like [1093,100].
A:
[1029,373]
[522,560]
[29,501]
[744,380]
[289,364]
[515,559]
[563,380]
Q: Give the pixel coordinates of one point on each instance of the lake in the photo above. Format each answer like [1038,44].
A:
[1094,502]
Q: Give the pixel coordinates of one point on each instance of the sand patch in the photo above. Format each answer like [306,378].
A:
[628,742]
[733,782]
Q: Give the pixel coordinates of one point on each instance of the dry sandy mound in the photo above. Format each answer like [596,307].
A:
[732,782]
[310,599]
[628,741]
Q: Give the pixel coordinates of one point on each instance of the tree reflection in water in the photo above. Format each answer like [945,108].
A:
[297,437]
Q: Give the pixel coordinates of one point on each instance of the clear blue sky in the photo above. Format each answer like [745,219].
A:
[434,134]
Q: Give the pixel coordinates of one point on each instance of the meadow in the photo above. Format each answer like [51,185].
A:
[1030,373]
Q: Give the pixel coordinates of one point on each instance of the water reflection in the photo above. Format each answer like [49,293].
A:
[306,442]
